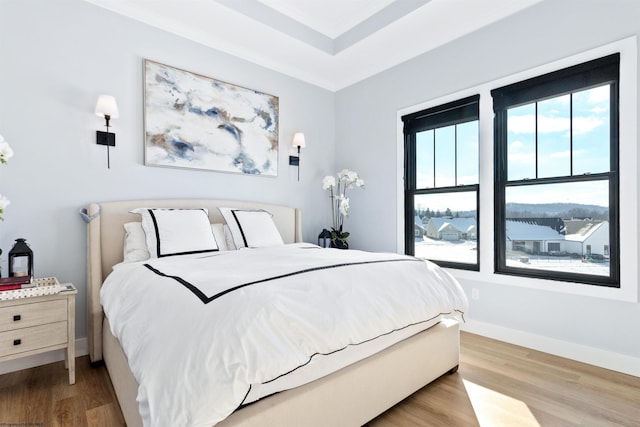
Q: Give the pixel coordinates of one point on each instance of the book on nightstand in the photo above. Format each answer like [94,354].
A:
[16,282]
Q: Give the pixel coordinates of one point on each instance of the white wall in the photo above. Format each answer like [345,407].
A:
[56,57]
[367,137]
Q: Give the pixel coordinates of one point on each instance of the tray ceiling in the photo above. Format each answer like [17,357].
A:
[329,43]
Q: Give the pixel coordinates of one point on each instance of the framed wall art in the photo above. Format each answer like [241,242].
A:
[193,121]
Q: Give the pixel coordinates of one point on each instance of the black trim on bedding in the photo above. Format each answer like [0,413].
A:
[206,300]
[157,230]
[244,238]
[183,282]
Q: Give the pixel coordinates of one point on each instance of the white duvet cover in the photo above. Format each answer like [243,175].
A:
[200,331]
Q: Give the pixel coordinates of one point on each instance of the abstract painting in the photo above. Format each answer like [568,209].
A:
[192,121]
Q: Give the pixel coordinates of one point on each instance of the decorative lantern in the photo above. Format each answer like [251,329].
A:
[324,239]
[20,259]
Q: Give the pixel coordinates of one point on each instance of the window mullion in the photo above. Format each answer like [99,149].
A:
[536,117]
[434,158]
[455,151]
[571,134]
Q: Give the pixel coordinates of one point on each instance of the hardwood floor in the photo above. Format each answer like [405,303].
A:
[42,397]
[498,384]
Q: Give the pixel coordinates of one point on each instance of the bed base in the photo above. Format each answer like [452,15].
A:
[349,397]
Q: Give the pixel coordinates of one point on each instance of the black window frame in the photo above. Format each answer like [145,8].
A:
[452,113]
[605,70]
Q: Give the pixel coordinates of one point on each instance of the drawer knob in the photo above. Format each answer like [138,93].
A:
[17,317]
[17,342]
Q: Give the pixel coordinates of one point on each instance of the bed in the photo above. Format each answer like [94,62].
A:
[350,396]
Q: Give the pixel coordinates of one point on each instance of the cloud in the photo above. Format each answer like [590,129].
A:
[582,125]
[560,154]
[546,124]
[598,95]
[522,124]
[521,157]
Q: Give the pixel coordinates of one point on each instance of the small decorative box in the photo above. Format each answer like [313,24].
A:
[43,286]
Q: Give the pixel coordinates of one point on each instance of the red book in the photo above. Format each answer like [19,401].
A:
[9,287]
[15,280]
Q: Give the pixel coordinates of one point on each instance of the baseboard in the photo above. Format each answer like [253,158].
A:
[581,353]
[82,349]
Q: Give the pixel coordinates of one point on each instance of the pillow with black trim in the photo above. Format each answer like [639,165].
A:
[177,231]
[251,228]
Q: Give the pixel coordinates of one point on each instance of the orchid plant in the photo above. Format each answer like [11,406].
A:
[337,188]
[5,154]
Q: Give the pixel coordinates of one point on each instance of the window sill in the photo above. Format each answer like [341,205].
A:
[627,292]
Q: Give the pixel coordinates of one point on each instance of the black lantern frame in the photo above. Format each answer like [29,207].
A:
[324,239]
[21,259]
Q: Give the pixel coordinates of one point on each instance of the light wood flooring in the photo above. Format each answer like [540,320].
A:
[498,384]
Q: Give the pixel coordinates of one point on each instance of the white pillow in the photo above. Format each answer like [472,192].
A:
[228,238]
[176,231]
[218,234]
[135,245]
[252,228]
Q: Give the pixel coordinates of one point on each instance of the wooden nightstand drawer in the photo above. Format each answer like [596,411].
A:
[39,323]
[36,337]
[32,314]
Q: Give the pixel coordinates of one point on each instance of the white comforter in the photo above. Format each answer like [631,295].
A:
[196,348]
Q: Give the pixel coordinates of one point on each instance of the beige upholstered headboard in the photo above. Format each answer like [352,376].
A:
[105,241]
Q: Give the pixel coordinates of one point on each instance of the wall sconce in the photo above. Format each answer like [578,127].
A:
[106,107]
[298,141]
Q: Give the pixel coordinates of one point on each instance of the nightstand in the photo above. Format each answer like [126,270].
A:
[39,324]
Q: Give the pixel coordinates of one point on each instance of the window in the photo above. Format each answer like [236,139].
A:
[556,175]
[553,247]
[441,183]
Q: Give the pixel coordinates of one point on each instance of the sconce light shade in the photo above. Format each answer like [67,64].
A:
[106,106]
[298,140]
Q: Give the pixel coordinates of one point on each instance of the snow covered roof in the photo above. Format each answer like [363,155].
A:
[524,231]
[459,223]
[584,233]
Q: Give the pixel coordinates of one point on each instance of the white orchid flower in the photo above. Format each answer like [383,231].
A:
[328,182]
[344,174]
[359,182]
[5,150]
[344,206]
[4,202]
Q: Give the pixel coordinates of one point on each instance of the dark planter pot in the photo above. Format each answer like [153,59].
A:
[340,243]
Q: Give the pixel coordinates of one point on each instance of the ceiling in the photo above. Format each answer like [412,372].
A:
[329,43]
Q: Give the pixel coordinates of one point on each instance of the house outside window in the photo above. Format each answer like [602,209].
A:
[556,175]
[442,183]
